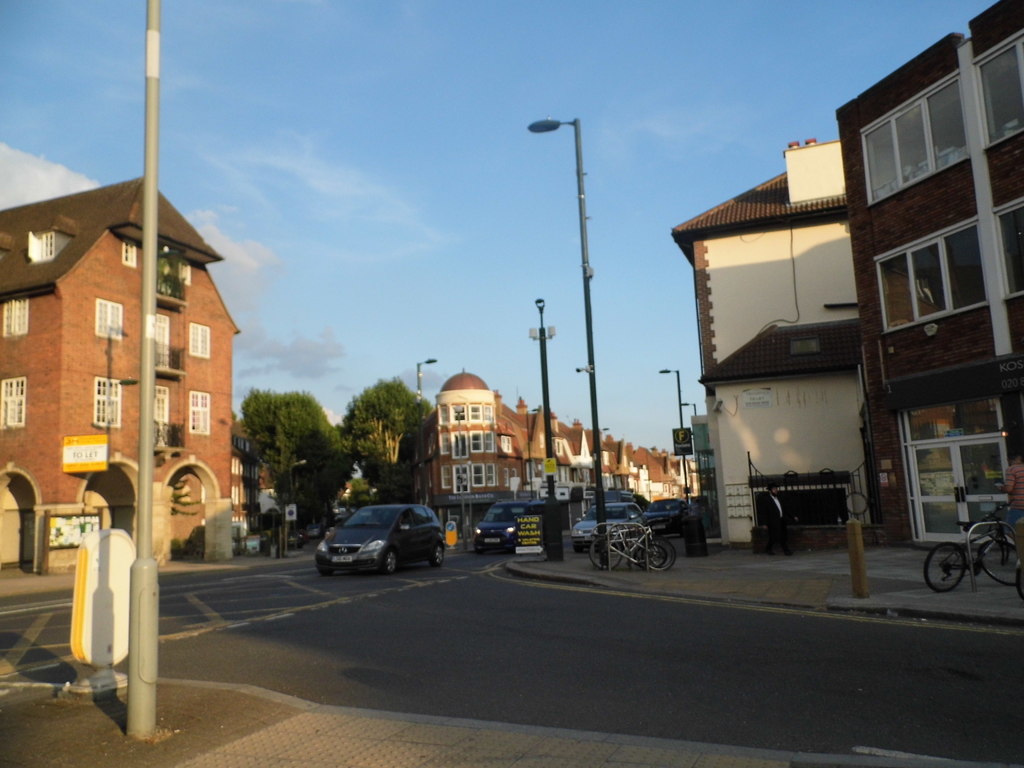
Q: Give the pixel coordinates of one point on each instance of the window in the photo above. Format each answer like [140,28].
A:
[489,414]
[1001,84]
[442,414]
[446,476]
[106,404]
[809,345]
[460,475]
[460,447]
[506,443]
[446,443]
[476,413]
[933,278]
[185,273]
[16,317]
[12,403]
[109,319]
[129,254]
[478,475]
[924,137]
[490,476]
[488,442]
[199,413]
[1012,225]
[44,246]
[476,442]
[161,404]
[198,340]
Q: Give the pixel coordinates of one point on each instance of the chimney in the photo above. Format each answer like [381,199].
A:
[814,171]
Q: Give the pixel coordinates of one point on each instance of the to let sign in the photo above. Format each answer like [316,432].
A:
[85,453]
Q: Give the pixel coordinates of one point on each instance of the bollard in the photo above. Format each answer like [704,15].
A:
[858,571]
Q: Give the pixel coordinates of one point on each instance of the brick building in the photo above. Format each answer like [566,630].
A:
[475,450]
[933,156]
[70,296]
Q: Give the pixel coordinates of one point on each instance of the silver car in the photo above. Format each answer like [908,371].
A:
[583,531]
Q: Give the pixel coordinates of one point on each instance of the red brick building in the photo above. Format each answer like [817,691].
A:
[933,156]
[70,296]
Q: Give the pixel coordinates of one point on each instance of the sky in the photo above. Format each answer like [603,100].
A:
[364,168]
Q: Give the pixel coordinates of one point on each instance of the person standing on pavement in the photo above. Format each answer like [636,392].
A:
[771,514]
[1013,487]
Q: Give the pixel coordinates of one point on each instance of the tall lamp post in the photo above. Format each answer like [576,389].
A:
[419,377]
[144,614]
[552,525]
[679,395]
[546,126]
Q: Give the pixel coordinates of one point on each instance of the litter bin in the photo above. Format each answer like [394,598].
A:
[694,536]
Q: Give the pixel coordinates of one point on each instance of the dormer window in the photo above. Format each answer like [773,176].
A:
[45,246]
[130,254]
[808,345]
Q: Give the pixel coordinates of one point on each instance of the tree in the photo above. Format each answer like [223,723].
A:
[301,449]
[378,431]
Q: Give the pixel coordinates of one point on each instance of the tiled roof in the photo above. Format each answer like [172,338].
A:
[86,216]
[764,204]
[769,353]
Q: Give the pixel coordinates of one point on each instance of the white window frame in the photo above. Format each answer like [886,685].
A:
[906,253]
[109,319]
[506,443]
[199,340]
[13,398]
[998,133]
[490,475]
[106,402]
[446,475]
[476,413]
[476,442]
[16,317]
[489,414]
[442,414]
[129,254]
[1013,270]
[446,443]
[198,412]
[887,126]
[460,446]
[161,404]
[42,246]
[477,475]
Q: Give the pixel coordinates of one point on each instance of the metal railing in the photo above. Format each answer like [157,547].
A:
[825,497]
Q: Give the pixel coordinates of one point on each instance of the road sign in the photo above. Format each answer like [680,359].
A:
[550,467]
[682,441]
[291,512]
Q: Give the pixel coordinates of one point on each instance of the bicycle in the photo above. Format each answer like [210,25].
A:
[631,541]
[996,555]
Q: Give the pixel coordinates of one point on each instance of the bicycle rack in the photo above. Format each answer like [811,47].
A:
[970,553]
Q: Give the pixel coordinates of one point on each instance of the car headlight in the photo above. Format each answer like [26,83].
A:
[322,546]
[372,546]
[510,530]
[477,531]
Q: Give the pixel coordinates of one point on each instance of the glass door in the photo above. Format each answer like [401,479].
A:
[957,481]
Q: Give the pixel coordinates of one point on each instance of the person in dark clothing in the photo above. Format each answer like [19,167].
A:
[771,514]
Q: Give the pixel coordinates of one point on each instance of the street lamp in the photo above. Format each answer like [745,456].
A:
[419,377]
[694,407]
[546,126]
[552,525]
[679,395]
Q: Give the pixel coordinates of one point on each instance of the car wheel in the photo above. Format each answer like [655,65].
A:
[437,556]
[389,563]
[325,571]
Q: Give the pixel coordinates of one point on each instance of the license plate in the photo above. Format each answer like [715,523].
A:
[341,559]
[492,540]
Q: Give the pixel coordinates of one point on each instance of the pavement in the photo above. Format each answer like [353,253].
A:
[211,725]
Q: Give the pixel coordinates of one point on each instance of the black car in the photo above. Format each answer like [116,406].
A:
[666,516]
[497,529]
[382,537]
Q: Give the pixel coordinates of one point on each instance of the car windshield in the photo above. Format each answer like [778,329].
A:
[611,512]
[503,514]
[664,506]
[372,517]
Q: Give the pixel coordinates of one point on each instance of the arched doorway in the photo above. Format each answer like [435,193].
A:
[111,494]
[18,499]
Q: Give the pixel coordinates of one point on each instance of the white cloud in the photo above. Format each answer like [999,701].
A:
[301,358]
[31,179]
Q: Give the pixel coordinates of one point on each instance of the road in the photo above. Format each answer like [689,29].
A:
[466,640]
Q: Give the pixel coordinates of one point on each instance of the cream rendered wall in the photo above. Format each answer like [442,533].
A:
[755,279]
[802,424]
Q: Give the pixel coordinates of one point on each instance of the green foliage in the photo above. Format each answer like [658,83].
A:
[302,450]
[378,431]
[181,499]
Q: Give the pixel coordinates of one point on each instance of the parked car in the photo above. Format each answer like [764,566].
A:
[497,529]
[666,516]
[382,537]
[314,531]
[583,531]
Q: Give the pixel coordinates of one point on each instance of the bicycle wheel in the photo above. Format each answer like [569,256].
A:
[945,566]
[1020,580]
[661,555]
[601,556]
[999,560]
